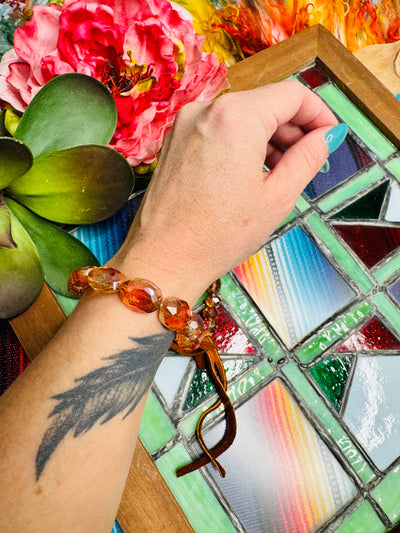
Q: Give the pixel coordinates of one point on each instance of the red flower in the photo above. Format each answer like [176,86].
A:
[146,52]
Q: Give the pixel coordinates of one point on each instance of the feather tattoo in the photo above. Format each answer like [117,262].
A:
[103,393]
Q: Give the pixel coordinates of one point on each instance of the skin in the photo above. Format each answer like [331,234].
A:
[69,424]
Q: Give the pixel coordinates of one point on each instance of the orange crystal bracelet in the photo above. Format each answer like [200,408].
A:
[191,338]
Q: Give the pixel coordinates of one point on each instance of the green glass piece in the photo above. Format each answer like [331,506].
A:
[21,273]
[201,386]
[394,167]
[290,217]
[346,446]
[387,495]
[193,494]
[368,207]
[241,305]
[357,121]
[60,252]
[156,428]
[350,189]
[340,252]
[332,374]
[363,519]
[302,204]
[78,185]
[333,332]
[388,269]
[388,309]
[15,160]
[235,392]
[70,110]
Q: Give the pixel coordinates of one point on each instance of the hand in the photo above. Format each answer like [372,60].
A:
[210,205]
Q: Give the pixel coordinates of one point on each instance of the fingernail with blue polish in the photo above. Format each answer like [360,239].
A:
[335,136]
[325,168]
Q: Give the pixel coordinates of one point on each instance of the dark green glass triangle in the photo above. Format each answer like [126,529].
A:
[201,386]
[331,375]
[366,208]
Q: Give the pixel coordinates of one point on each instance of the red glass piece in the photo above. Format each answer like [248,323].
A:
[78,281]
[314,77]
[193,334]
[228,336]
[370,243]
[372,336]
[174,313]
[105,279]
[140,295]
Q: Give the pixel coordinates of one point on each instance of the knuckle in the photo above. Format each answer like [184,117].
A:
[222,111]
[187,113]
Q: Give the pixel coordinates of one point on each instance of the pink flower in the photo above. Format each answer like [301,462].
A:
[145,51]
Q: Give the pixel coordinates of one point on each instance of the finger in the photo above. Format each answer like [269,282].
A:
[287,134]
[290,102]
[298,165]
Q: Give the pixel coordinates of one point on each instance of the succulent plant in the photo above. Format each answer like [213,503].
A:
[56,168]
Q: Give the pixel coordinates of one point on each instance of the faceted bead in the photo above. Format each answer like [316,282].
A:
[174,313]
[78,281]
[140,295]
[192,336]
[210,312]
[105,279]
[215,286]
[212,300]
[209,315]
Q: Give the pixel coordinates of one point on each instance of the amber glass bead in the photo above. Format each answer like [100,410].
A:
[212,300]
[140,295]
[105,279]
[78,281]
[215,286]
[193,334]
[174,313]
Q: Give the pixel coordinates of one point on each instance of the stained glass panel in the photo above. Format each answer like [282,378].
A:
[313,343]
[309,332]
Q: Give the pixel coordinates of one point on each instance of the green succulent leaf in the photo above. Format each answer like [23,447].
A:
[71,109]
[15,160]
[79,185]
[3,129]
[11,120]
[60,252]
[6,240]
[21,274]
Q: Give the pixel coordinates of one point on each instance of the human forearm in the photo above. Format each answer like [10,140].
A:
[46,468]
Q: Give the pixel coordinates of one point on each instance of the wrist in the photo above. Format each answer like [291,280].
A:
[174,278]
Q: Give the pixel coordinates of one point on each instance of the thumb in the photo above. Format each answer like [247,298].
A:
[301,161]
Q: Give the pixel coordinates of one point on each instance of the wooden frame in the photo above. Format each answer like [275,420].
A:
[147,504]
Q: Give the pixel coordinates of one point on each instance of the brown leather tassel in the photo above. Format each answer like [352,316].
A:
[207,356]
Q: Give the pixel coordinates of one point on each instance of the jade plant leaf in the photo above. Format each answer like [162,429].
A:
[15,160]
[60,252]
[78,185]
[6,240]
[21,274]
[71,109]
